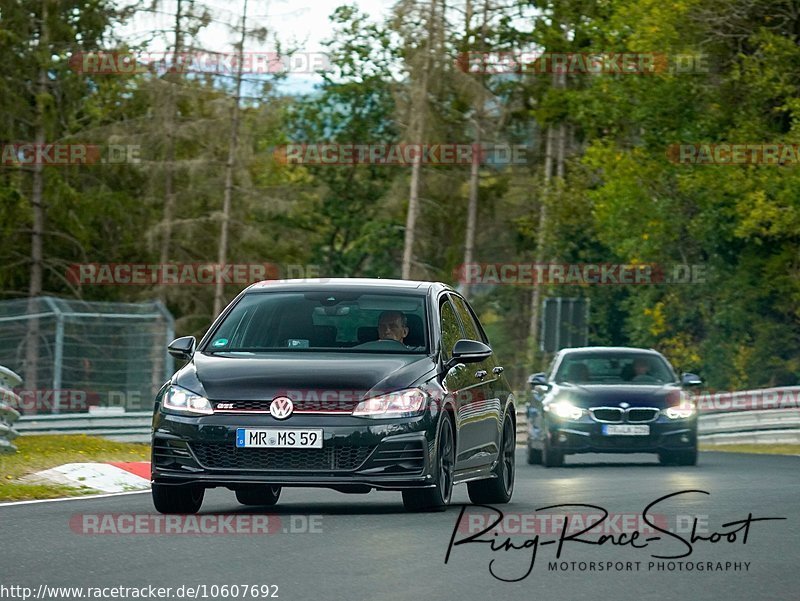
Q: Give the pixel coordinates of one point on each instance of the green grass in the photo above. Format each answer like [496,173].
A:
[38,453]
[770,449]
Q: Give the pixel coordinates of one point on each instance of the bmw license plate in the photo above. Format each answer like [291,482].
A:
[279,439]
[626,430]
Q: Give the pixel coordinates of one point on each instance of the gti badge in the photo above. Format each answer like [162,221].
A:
[281,407]
[624,405]
[224,405]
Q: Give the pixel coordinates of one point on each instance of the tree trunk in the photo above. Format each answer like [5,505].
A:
[472,209]
[222,256]
[474,173]
[169,175]
[158,373]
[38,214]
[556,141]
[418,110]
[541,244]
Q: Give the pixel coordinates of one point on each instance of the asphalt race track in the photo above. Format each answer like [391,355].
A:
[367,547]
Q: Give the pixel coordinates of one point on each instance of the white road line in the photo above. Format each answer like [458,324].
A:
[81,498]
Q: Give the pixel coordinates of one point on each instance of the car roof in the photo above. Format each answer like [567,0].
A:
[608,349]
[371,284]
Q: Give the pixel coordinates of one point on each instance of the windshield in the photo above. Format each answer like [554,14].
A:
[614,368]
[344,321]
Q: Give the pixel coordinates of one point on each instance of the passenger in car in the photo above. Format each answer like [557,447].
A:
[578,372]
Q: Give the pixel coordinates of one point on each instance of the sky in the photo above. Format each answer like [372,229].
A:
[301,24]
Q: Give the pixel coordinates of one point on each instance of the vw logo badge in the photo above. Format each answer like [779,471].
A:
[623,405]
[281,407]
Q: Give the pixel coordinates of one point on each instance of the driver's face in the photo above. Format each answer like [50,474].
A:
[641,367]
[390,327]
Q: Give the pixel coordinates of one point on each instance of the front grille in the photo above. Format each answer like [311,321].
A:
[607,414]
[246,406]
[642,415]
[228,457]
[311,404]
[618,415]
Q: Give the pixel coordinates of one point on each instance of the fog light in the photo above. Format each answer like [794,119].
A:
[562,438]
[684,438]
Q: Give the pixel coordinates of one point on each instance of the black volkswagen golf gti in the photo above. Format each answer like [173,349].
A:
[612,400]
[346,384]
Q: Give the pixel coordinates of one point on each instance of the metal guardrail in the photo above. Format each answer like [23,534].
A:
[750,421]
[134,426]
[8,415]
[767,416]
[734,426]
[784,397]
[522,425]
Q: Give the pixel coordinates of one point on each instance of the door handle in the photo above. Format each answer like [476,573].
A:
[497,370]
[480,374]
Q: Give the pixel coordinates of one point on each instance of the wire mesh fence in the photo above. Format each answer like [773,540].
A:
[8,415]
[76,356]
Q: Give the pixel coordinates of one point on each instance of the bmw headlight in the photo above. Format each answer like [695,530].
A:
[403,403]
[565,410]
[682,411]
[185,401]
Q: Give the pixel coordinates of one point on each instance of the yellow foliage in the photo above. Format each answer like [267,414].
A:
[658,321]
[680,350]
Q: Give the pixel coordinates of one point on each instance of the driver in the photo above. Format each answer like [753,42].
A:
[393,325]
[641,368]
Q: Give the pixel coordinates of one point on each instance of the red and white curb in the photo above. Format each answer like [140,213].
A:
[103,477]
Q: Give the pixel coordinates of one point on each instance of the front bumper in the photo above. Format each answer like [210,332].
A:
[586,436]
[357,453]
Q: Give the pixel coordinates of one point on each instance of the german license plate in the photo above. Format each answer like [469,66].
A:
[279,438]
[626,430]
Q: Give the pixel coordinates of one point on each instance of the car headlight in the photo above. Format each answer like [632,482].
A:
[565,410]
[185,401]
[403,403]
[682,411]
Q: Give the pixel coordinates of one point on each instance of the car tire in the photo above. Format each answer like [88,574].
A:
[263,494]
[551,457]
[438,497]
[177,499]
[681,457]
[534,456]
[500,488]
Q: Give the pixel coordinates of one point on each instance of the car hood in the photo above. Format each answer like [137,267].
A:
[640,395]
[264,376]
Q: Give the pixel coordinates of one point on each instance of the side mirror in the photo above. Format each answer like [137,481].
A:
[182,348]
[469,351]
[689,380]
[539,379]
